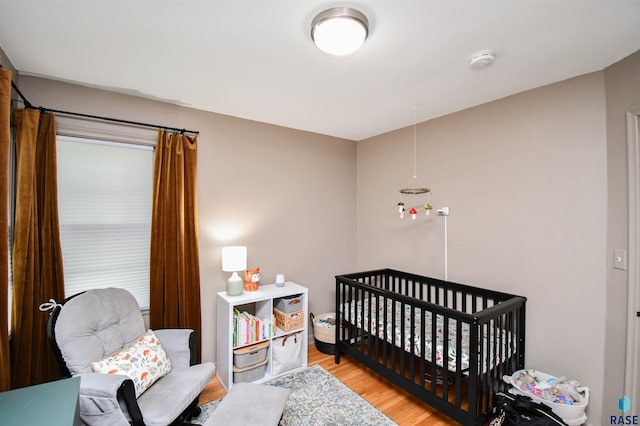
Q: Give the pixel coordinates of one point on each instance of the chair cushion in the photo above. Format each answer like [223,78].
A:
[169,396]
[144,362]
[249,404]
[95,324]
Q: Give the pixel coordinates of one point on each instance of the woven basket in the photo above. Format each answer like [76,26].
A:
[288,321]
[324,327]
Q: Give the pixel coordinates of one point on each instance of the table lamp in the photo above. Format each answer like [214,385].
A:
[234,259]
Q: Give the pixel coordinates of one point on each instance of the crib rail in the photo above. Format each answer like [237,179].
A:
[385,319]
[460,297]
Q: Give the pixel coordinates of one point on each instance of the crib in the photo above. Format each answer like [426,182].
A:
[447,344]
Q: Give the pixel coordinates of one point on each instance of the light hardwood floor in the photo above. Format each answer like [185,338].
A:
[397,404]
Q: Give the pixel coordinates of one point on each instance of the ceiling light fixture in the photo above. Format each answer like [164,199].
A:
[340,30]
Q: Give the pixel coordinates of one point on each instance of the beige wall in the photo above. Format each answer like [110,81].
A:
[623,93]
[525,178]
[288,195]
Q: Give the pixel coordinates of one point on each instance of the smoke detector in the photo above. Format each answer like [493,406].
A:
[482,59]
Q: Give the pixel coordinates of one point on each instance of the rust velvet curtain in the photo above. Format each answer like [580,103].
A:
[37,256]
[5,139]
[175,270]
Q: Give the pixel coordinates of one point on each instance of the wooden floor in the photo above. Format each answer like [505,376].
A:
[397,404]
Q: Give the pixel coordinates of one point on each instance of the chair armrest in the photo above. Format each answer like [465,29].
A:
[101,385]
[179,344]
[101,397]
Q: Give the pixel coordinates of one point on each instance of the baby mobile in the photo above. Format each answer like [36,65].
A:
[413,211]
[415,188]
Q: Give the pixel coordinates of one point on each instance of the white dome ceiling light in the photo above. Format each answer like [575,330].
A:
[339,31]
[482,59]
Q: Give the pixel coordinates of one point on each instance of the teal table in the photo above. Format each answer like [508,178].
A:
[51,404]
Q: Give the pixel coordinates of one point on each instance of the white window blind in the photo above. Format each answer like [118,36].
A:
[104,201]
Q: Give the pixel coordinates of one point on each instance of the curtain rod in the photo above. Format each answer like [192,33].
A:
[115,120]
[28,105]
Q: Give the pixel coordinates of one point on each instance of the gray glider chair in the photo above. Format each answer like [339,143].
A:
[87,329]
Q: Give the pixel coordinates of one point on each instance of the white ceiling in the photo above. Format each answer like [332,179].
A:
[254,59]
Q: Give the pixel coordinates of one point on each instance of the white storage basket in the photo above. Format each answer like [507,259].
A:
[324,327]
[288,304]
[572,414]
[324,332]
[249,374]
[250,355]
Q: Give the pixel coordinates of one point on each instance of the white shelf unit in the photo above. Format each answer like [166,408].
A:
[263,301]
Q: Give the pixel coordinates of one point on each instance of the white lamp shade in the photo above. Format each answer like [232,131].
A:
[339,31]
[234,258]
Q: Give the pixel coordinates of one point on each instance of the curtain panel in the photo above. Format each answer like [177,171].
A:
[175,270]
[5,140]
[37,255]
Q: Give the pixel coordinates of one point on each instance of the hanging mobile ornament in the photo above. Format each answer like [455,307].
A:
[401,209]
[414,213]
[428,207]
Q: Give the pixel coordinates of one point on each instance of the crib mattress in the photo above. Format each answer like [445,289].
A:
[499,342]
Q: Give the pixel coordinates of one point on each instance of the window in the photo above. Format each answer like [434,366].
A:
[104,201]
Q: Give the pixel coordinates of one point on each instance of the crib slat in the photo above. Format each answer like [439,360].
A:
[484,369]
[434,365]
[369,331]
[423,345]
[412,346]
[393,335]
[402,336]
[385,354]
[458,373]
[445,357]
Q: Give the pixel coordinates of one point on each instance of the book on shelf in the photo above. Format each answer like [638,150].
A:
[248,328]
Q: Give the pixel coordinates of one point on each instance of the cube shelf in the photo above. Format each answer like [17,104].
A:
[248,319]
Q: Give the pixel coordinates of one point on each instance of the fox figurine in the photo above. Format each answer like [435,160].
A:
[251,279]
